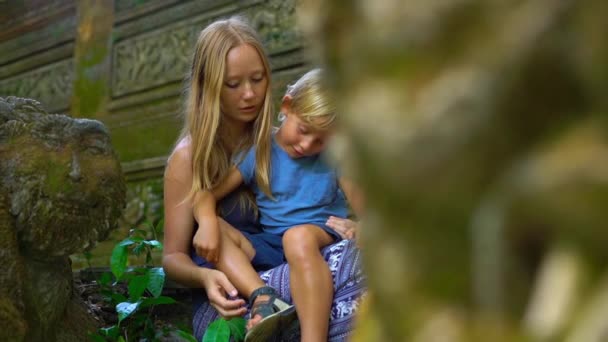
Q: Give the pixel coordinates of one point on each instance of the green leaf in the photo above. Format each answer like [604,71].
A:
[138,248]
[105,279]
[186,336]
[237,328]
[157,301]
[138,239]
[125,309]
[138,270]
[217,331]
[126,242]
[156,281]
[154,244]
[121,339]
[118,298]
[118,260]
[111,332]
[138,234]
[137,286]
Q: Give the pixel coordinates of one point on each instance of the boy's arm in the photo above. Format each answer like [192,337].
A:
[205,201]
[206,241]
[228,184]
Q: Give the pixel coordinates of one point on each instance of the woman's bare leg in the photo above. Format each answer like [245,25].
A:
[311,282]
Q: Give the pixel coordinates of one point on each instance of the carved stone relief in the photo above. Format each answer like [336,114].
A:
[152,59]
[163,56]
[51,85]
[275,21]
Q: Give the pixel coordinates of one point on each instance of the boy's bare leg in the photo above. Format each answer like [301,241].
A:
[311,282]
[235,261]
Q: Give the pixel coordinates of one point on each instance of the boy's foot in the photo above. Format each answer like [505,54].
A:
[274,329]
[254,320]
[269,313]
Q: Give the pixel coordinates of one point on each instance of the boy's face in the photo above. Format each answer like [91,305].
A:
[299,138]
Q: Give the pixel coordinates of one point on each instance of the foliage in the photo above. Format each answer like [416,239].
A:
[144,284]
[221,330]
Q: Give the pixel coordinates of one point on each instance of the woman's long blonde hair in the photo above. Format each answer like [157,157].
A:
[211,157]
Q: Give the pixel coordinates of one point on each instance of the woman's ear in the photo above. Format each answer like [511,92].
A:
[286,105]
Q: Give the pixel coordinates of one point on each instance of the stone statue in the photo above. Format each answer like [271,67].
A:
[478,131]
[61,191]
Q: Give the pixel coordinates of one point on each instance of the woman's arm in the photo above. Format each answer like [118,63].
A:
[354,196]
[178,231]
[179,223]
[347,228]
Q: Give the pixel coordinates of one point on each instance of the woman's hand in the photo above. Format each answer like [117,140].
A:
[346,228]
[218,286]
[206,241]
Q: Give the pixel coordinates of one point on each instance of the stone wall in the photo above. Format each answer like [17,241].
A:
[147,53]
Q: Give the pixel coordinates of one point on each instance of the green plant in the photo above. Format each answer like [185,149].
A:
[144,288]
[222,329]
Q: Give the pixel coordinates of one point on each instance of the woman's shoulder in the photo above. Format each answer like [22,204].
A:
[179,163]
[181,151]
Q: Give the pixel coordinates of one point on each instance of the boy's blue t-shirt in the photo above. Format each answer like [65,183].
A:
[305,190]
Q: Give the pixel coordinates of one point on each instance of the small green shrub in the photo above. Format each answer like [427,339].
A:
[145,285]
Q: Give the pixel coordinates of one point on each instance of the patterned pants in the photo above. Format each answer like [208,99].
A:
[344,262]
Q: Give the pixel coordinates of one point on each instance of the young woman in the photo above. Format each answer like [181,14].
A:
[228,111]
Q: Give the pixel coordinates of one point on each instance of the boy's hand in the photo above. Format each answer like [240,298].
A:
[206,241]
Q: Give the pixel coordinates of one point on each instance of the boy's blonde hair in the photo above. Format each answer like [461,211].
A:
[204,124]
[311,101]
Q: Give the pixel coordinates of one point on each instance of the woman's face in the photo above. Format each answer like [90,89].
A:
[245,85]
